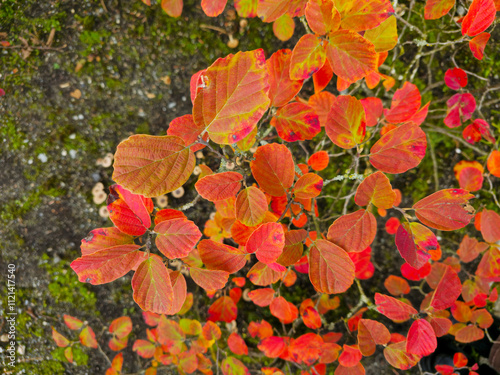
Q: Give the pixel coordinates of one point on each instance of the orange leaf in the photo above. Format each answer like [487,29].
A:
[72,322]
[399,150]
[180,293]
[478,44]
[87,338]
[284,27]
[318,161]
[213,8]
[371,333]
[376,189]
[234,96]
[129,212]
[177,237]
[350,356]
[306,349]
[218,256]
[211,331]
[493,163]
[273,168]
[447,209]
[262,297]
[285,311]
[398,357]
[271,10]
[223,309]
[184,127]
[330,268]
[435,9]
[308,57]
[251,206]
[60,340]
[346,124]
[281,88]
[322,16]
[272,346]
[353,232]
[490,226]
[172,7]
[321,103]
[296,122]
[308,186]
[351,56]
[219,186]
[236,344]
[363,15]
[152,165]
[311,318]
[209,279]
[294,247]
[396,285]
[152,286]
[261,274]
[469,334]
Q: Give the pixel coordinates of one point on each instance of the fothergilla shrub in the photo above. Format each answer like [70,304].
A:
[301,186]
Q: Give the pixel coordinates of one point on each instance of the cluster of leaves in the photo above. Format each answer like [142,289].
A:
[248,115]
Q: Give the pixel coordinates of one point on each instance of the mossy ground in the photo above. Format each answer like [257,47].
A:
[117,53]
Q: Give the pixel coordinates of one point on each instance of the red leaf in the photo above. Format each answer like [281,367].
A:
[281,88]
[330,268]
[184,127]
[168,214]
[273,168]
[306,349]
[421,338]
[273,346]
[455,78]
[405,103]
[251,206]
[311,318]
[152,286]
[223,310]
[376,189]
[294,247]
[296,122]
[447,290]
[217,256]
[393,308]
[107,265]
[322,77]
[350,356]
[447,209]
[321,103]
[371,333]
[460,109]
[262,274]
[493,163]
[236,344]
[219,186]
[219,106]
[129,212]
[353,232]
[414,242]
[480,16]
[177,237]
[104,239]
[152,165]
[373,110]
[267,242]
